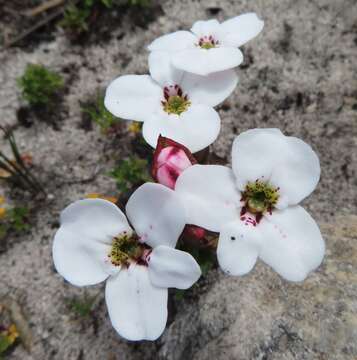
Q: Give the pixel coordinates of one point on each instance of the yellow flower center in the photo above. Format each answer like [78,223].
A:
[207,42]
[260,197]
[175,101]
[126,249]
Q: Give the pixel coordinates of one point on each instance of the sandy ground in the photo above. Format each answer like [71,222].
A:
[299,75]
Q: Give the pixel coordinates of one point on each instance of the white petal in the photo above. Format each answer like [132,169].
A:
[175,41]
[206,61]
[82,243]
[298,172]
[205,27]
[241,29]
[238,247]
[162,70]
[211,89]
[196,128]
[156,214]
[285,162]
[172,268]
[292,243]
[209,195]
[254,154]
[137,309]
[133,97]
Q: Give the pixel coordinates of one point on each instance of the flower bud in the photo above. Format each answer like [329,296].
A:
[170,160]
[194,232]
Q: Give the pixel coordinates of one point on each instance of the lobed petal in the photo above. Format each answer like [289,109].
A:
[172,268]
[292,244]
[298,172]
[176,41]
[196,128]
[82,243]
[240,29]
[211,89]
[162,70]
[286,162]
[156,214]
[205,27]
[210,196]
[133,97]
[137,309]
[206,61]
[238,247]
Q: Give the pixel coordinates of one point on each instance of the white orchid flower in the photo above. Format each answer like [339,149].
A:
[95,243]
[210,46]
[172,103]
[255,205]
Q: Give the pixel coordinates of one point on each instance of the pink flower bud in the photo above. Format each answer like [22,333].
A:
[170,160]
[194,232]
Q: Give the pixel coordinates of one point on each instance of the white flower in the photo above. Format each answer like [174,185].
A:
[255,205]
[171,102]
[210,46]
[95,243]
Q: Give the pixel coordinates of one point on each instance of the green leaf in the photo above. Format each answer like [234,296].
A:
[130,172]
[5,343]
[99,114]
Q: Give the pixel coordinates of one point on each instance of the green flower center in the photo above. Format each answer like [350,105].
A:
[207,45]
[176,105]
[260,197]
[175,101]
[126,249]
[207,42]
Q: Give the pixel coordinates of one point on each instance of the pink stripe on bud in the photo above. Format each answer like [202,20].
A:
[170,160]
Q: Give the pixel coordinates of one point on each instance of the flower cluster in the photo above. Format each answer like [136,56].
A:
[252,208]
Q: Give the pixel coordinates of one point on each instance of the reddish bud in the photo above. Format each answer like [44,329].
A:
[170,160]
[194,232]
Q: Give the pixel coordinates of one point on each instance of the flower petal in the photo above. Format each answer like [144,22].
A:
[137,309]
[211,89]
[196,128]
[205,27]
[288,163]
[172,268]
[209,195]
[238,247]
[254,154]
[82,243]
[162,70]
[206,61]
[240,29]
[298,172]
[133,97]
[156,214]
[175,41]
[292,244]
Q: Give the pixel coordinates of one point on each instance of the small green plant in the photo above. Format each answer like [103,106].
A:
[130,172]
[82,306]
[16,171]
[12,218]
[8,337]
[77,16]
[100,115]
[39,85]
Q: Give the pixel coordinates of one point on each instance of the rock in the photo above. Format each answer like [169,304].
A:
[261,316]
